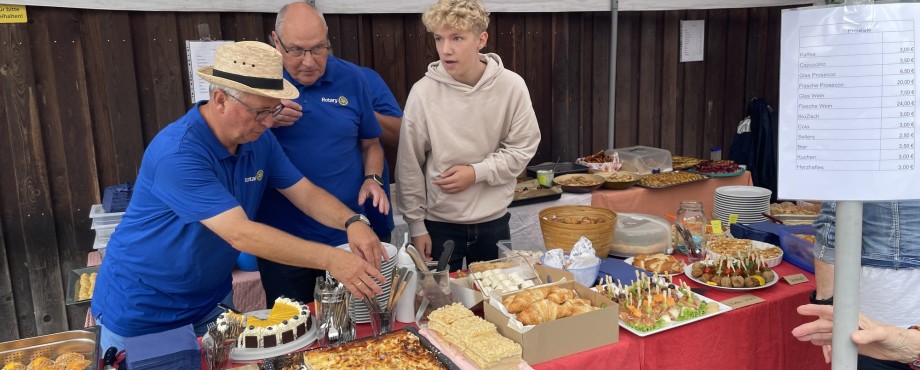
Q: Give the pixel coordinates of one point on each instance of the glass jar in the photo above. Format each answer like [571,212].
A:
[692,218]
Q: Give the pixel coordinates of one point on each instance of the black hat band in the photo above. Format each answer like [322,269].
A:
[253,82]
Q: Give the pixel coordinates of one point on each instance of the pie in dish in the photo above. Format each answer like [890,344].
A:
[393,350]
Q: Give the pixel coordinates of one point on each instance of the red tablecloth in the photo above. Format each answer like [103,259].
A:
[752,337]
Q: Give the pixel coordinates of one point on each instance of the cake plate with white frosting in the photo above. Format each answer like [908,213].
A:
[254,354]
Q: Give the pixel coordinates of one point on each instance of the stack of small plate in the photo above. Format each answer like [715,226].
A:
[356,308]
[748,202]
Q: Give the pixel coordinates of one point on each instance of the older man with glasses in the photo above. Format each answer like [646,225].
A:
[201,179]
[331,135]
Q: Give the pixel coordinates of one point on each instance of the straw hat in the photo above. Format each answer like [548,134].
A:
[252,67]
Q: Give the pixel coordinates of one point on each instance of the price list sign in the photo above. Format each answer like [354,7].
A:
[848,98]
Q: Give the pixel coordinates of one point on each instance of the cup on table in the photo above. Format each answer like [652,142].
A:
[331,306]
[545,178]
[433,292]
[381,320]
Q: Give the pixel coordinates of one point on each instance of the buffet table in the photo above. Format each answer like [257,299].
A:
[661,202]
[752,337]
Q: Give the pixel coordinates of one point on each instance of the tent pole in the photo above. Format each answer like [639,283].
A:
[846,283]
[611,105]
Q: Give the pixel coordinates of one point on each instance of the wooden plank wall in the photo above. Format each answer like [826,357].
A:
[83,91]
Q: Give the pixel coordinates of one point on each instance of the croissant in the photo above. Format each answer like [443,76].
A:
[560,295]
[542,311]
[525,298]
[579,306]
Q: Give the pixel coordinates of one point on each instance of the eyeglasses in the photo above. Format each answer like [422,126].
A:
[317,51]
[260,114]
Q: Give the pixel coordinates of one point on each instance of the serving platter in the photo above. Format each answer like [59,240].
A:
[768,284]
[631,259]
[739,172]
[676,324]
[255,354]
[643,183]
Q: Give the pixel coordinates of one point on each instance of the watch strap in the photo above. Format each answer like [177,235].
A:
[375,177]
[813,299]
[357,217]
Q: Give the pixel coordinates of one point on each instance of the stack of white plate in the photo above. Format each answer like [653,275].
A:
[748,202]
[356,308]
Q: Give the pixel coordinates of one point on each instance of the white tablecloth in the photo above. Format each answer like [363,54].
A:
[524,223]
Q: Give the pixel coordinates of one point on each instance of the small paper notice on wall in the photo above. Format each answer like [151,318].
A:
[200,54]
[692,37]
[13,14]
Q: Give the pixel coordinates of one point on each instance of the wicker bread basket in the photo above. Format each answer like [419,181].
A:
[562,235]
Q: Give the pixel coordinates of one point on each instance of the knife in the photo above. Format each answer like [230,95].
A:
[445,255]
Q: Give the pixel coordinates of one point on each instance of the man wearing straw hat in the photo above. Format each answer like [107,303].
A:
[201,179]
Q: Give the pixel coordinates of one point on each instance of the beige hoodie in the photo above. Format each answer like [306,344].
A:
[491,126]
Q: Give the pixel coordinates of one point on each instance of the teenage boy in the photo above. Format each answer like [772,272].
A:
[469,129]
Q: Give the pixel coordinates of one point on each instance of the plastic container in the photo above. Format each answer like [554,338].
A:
[715,153]
[103,234]
[585,276]
[796,250]
[640,233]
[643,160]
[101,219]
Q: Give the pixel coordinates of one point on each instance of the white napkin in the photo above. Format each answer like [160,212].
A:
[554,258]
[583,247]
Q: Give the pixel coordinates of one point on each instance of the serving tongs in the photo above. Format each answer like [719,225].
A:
[692,247]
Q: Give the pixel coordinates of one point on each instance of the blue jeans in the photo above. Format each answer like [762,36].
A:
[891,234]
[109,339]
[476,242]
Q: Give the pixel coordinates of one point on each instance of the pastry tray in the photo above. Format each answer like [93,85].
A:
[536,195]
[73,288]
[446,361]
[83,341]
[704,177]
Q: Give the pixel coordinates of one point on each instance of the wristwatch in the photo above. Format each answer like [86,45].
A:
[375,177]
[826,301]
[357,217]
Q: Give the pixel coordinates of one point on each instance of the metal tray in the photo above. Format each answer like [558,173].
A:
[446,361]
[532,196]
[705,177]
[73,288]
[84,342]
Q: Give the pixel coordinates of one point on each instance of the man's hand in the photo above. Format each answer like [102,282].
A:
[456,179]
[370,189]
[365,244]
[356,274]
[291,113]
[422,243]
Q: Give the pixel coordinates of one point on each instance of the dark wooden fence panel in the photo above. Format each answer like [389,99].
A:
[32,247]
[84,91]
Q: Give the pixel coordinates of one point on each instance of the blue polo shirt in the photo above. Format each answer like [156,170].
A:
[384,103]
[325,145]
[164,269]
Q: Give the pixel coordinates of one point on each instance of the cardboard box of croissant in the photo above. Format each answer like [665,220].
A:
[584,330]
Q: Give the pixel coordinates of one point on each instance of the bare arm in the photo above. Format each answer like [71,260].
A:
[390,126]
[266,242]
[824,279]
[373,164]
[327,210]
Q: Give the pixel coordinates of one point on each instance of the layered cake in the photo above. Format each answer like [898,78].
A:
[287,321]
